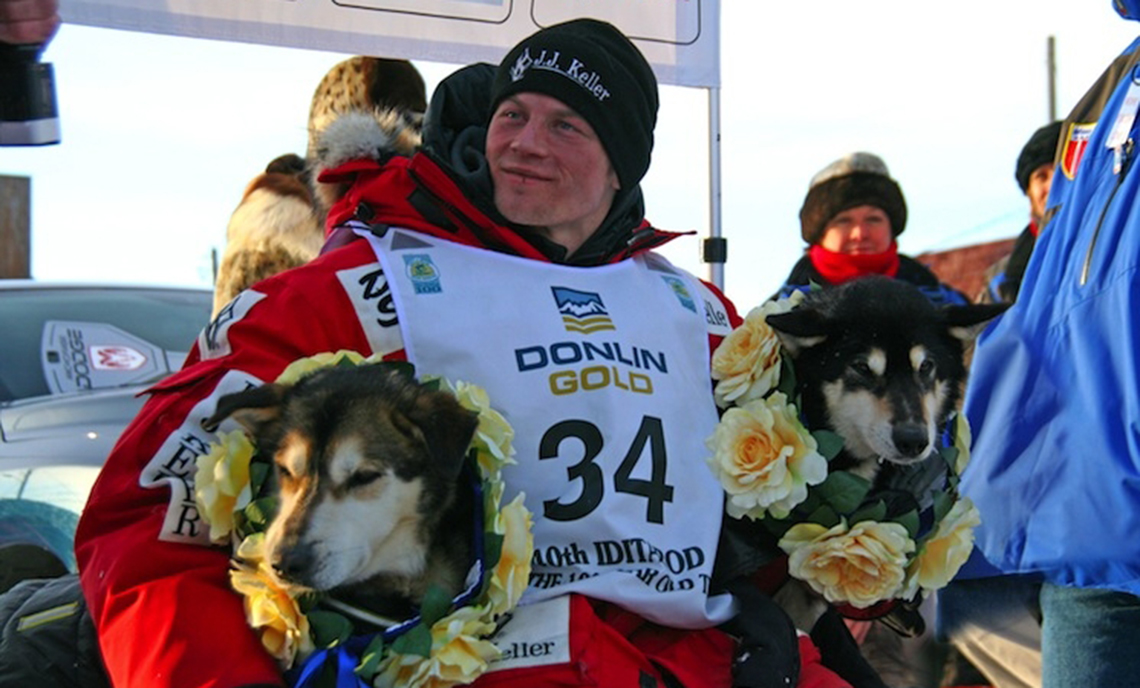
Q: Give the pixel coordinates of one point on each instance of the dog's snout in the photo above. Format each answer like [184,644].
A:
[911,440]
[293,564]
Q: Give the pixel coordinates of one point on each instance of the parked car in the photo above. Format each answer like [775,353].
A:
[73,359]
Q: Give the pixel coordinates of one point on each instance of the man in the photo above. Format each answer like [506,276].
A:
[473,259]
[1053,399]
[994,621]
[1034,174]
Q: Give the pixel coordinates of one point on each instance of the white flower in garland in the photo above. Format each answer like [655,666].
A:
[273,611]
[222,484]
[944,552]
[747,363]
[860,565]
[764,458]
[452,648]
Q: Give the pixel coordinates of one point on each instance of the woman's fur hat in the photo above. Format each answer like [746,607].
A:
[853,180]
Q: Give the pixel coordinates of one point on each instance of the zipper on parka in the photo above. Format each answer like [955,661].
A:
[1125,164]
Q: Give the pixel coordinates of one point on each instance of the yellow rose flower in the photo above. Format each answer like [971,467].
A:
[494,434]
[861,565]
[509,579]
[747,362]
[221,482]
[270,609]
[302,367]
[459,655]
[962,440]
[764,458]
[946,550]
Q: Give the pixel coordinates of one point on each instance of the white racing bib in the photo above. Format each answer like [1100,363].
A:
[604,374]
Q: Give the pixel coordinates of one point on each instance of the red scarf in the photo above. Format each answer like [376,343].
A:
[838,268]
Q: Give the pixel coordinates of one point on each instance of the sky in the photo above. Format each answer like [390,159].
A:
[161,134]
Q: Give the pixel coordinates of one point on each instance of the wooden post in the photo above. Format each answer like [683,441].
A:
[15,227]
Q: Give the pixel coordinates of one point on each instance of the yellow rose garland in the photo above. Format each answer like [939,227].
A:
[446,645]
[834,531]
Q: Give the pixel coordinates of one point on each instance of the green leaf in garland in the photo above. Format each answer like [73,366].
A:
[259,512]
[950,456]
[259,472]
[416,641]
[942,503]
[844,491]
[824,516]
[370,659]
[909,520]
[492,549]
[329,628]
[242,528]
[829,443]
[875,511]
[435,606]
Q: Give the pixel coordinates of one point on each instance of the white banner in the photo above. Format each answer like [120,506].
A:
[681,38]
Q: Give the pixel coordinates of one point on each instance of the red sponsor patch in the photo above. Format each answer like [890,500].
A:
[116,358]
[1076,141]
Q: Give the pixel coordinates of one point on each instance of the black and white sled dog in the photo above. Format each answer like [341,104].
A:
[884,368]
[880,365]
[371,503]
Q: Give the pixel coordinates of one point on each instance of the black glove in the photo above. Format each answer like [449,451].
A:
[768,654]
[840,653]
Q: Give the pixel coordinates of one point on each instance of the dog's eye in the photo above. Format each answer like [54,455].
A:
[362,478]
[926,369]
[862,368]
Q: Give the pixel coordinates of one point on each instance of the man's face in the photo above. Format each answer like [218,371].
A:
[549,168]
[863,229]
[1040,181]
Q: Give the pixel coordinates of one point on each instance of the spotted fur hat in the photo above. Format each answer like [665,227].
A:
[853,180]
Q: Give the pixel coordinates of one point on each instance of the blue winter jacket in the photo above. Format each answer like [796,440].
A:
[1054,392]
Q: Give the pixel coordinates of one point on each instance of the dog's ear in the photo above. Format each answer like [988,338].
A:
[446,427]
[967,322]
[799,329]
[253,408]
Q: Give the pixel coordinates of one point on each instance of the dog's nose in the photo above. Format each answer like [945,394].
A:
[910,440]
[292,565]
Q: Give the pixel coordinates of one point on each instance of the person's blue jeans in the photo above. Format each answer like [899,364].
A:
[995,623]
[1089,637]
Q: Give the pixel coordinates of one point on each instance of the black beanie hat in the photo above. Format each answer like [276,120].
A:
[853,180]
[592,67]
[1038,151]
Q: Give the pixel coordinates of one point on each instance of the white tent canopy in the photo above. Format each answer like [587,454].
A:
[682,44]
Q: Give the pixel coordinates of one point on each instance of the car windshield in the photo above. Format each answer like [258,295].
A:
[59,340]
[42,506]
